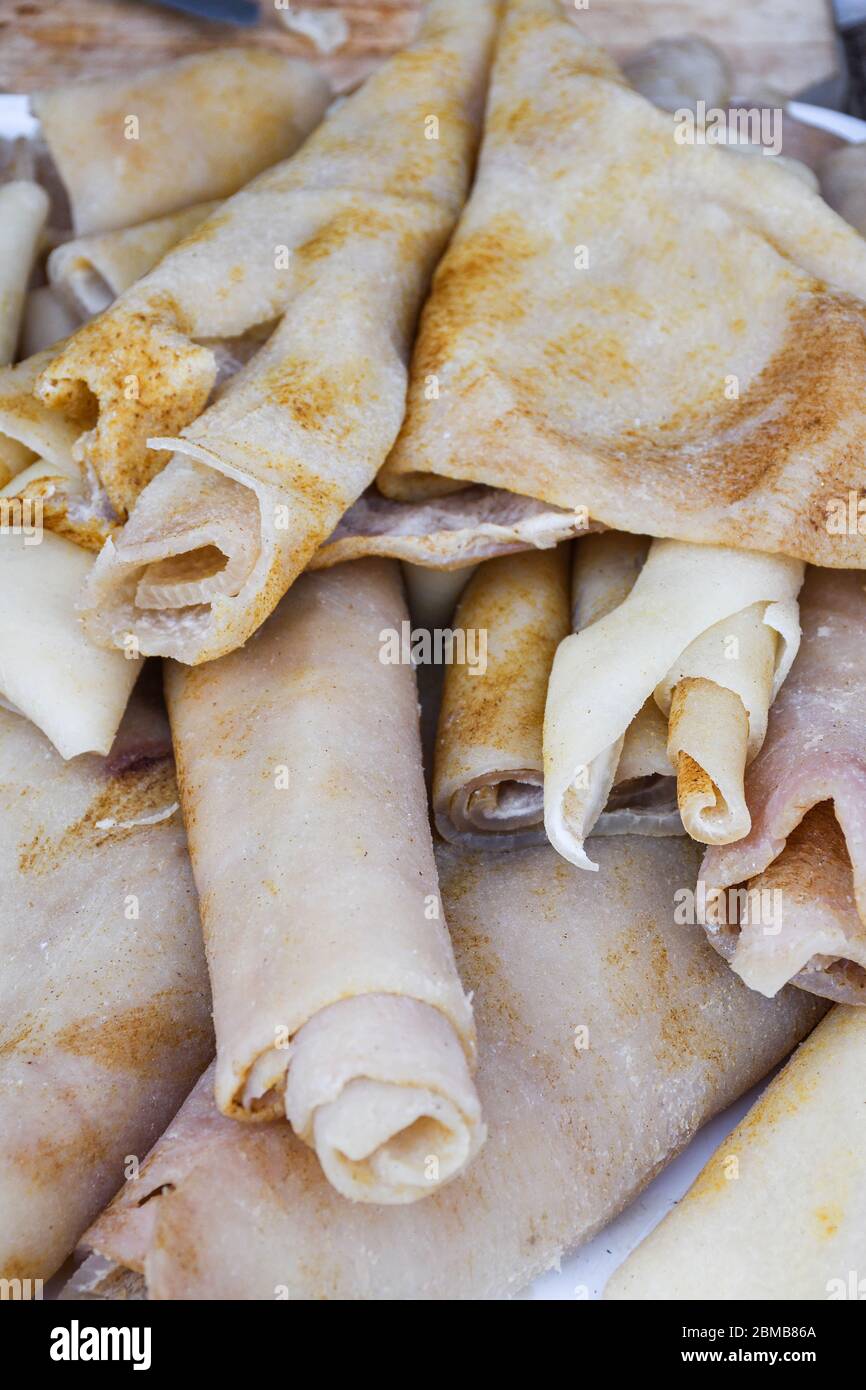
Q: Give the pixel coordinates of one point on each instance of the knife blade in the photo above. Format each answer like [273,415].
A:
[845,90]
[243,12]
[850,17]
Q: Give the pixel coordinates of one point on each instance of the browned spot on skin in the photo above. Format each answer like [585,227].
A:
[781,1101]
[352,222]
[312,398]
[692,780]
[51,1158]
[706,451]
[802,391]
[679,1026]
[23,407]
[733,448]
[815,866]
[180,1254]
[21,1267]
[137,1040]
[473,282]
[682,1039]
[815,863]
[129,797]
[172,376]
[787,1095]
[89,533]
[10,1045]
[482,972]
[509,121]
[203,234]
[829,1219]
[521,602]
[82,36]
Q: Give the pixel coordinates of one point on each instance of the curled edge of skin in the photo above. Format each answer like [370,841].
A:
[498,811]
[713,735]
[570,816]
[379,1086]
[708,742]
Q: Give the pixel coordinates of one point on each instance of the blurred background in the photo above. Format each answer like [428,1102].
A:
[782,45]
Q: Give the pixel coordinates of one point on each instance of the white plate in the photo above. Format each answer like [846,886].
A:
[848,128]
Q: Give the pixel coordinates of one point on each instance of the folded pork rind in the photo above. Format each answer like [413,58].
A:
[669,334]
[130,149]
[37,463]
[90,272]
[806,791]
[23,209]
[336,999]
[29,431]
[779,1212]
[448,532]
[104,1001]
[642,796]
[690,607]
[487,773]
[50,671]
[338,245]
[39,457]
[579,1121]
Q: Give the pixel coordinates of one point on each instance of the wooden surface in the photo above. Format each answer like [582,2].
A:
[785,43]
[46,42]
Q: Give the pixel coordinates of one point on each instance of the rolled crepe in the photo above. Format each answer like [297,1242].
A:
[489,766]
[23,209]
[90,272]
[338,245]
[57,492]
[449,532]
[579,1120]
[49,670]
[664,635]
[779,1212]
[574,352]
[717,697]
[104,1003]
[29,431]
[800,912]
[487,773]
[342,1009]
[642,795]
[130,149]
[38,446]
